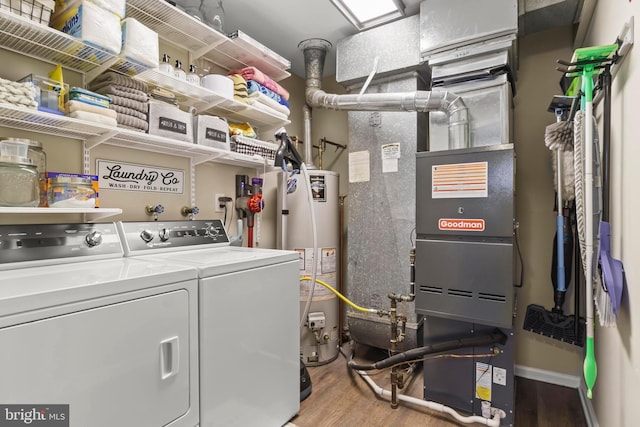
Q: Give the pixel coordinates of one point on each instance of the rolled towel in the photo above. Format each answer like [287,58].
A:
[252,73]
[118,79]
[73,106]
[93,117]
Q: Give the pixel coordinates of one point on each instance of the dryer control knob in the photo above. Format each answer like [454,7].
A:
[93,239]
[146,235]
[164,234]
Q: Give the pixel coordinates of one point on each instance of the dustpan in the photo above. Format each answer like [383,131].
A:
[612,269]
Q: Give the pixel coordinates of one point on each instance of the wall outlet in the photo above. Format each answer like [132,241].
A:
[219,205]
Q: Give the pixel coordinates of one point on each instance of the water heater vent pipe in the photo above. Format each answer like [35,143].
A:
[421,101]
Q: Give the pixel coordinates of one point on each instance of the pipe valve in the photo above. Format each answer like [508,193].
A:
[190,212]
[154,210]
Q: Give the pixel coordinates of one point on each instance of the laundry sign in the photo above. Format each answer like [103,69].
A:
[133,177]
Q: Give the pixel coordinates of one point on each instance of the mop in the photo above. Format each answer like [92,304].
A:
[584,63]
[559,138]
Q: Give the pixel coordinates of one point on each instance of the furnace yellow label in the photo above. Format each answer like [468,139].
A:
[484,378]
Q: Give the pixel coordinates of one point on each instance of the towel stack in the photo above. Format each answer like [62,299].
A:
[129,99]
[79,109]
[262,92]
[18,94]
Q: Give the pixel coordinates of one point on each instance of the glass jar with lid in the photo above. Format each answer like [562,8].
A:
[71,192]
[18,182]
[35,152]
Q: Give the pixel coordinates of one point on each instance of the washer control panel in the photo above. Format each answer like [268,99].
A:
[149,237]
[45,244]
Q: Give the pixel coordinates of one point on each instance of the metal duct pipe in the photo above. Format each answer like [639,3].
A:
[314,53]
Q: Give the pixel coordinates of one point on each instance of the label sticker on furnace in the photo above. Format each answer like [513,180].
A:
[460,180]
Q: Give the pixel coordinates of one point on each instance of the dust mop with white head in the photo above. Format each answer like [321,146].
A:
[559,139]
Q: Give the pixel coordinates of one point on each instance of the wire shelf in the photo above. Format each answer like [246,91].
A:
[38,41]
[207,101]
[182,30]
[96,134]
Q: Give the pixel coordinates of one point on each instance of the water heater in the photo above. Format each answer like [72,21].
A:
[320,335]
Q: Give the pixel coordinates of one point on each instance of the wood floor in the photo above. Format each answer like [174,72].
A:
[341,398]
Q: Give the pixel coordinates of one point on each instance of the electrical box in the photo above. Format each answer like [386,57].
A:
[316,320]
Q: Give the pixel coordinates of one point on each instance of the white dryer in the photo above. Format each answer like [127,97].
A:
[248,319]
[113,338]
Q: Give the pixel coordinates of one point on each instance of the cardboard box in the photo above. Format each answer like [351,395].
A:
[170,122]
[211,131]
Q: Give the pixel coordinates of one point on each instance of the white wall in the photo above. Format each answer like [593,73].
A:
[616,393]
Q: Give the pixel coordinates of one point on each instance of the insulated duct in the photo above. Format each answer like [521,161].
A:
[422,101]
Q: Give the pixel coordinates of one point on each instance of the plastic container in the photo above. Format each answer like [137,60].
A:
[71,192]
[18,182]
[50,93]
[38,157]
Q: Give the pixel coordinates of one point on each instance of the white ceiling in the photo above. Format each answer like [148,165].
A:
[281,24]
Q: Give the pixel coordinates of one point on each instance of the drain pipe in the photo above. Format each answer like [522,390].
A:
[494,421]
[308,144]
[421,101]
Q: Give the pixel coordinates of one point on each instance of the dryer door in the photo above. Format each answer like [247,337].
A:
[124,364]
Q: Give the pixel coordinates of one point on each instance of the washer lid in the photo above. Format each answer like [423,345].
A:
[47,286]
[213,262]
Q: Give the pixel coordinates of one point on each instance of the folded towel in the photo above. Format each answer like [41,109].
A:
[128,111]
[253,87]
[93,117]
[143,107]
[267,109]
[132,122]
[265,100]
[252,73]
[165,93]
[240,93]
[118,79]
[72,106]
[126,92]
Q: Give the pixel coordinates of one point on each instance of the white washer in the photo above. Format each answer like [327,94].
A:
[114,338]
[249,316]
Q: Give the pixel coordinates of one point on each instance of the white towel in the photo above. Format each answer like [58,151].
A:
[72,106]
[264,99]
[93,117]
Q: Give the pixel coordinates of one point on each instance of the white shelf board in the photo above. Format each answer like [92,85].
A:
[91,214]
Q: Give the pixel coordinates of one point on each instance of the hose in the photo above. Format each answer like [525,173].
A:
[416,353]
[314,267]
[342,297]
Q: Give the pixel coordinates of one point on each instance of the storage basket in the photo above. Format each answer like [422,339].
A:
[35,10]
[250,146]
